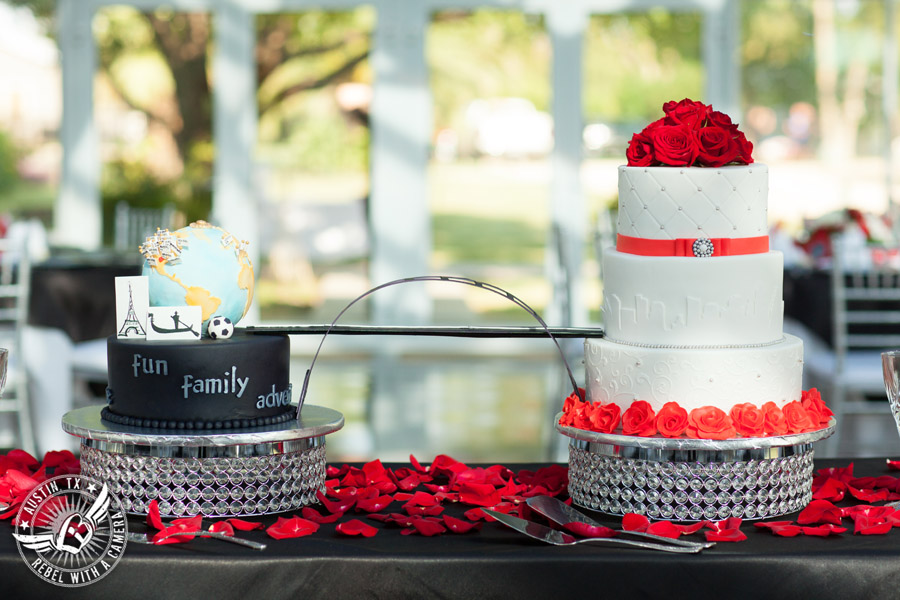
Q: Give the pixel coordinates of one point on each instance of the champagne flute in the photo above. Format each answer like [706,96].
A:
[890,364]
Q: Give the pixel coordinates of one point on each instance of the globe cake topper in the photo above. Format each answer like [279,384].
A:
[199,265]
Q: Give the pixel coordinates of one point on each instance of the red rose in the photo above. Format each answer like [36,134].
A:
[745,148]
[812,402]
[723,121]
[605,417]
[639,419]
[775,423]
[674,145]
[716,147]
[640,150]
[570,406]
[797,418]
[687,112]
[672,420]
[710,423]
[748,420]
[582,417]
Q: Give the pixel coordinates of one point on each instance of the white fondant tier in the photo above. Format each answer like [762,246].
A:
[681,301]
[690,202]
[693,377]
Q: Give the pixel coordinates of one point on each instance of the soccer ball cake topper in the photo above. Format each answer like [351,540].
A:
[220,328]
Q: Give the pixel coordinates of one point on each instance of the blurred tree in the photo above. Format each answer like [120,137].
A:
[634,62]
[510,48]
[9,156]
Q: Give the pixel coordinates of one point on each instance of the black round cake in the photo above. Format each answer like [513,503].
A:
[243,381]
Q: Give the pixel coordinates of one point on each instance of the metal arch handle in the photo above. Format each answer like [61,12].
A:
[451,279]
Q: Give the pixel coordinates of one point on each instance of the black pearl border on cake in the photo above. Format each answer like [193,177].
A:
[107,415]
[224,473]
[691,480]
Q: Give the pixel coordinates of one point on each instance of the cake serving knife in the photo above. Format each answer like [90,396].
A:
[561,513]
[558,538]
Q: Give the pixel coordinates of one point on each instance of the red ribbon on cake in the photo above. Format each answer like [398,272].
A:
[686,246]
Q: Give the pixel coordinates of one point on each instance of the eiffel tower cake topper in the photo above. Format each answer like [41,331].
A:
[132,327]
[132,304]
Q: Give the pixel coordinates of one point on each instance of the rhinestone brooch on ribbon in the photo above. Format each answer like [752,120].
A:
[702,248]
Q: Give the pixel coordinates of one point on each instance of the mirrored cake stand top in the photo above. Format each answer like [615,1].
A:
[314,421]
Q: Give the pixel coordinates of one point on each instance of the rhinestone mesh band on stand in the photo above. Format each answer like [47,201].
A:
[754,489]
[688,479]
[213,487]
[255,471]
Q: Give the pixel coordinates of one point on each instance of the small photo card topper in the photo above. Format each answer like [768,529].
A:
[132,303]
[174,323]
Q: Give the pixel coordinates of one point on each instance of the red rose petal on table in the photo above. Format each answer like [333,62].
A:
[479,494]
[819,511]
[724,524]
[664,529]
[476,514]
[635,522]
[864,525]
[291,527]
[190,524]
[445,465]
[840,473]
[868,495]
[886,481]
[222,527]
[340,506]
[782,528]
[850,511]
[317,517]
[824,530]
[585,530]
[725,535]
[423,511]
[244,525]
[409,482]
[332,471]
[416,465]
[448,497]
[831,490]
[153,518]
[403,520]
[29,462]
[423,499]
[690,529]
[893,464]
[428,528]
[345,493]
[459,526]
[356,527]
[373,504]
[380,517]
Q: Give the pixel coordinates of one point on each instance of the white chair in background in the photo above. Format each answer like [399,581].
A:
[866,321]
[15,281]
[134,225]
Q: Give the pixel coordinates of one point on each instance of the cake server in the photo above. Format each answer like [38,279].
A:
[147,538]
[558,538]
[563,514]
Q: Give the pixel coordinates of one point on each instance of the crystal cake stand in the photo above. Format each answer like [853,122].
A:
[691,480]
[231,473]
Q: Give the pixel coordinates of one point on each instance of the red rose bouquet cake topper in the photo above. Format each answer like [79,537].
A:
[691,134]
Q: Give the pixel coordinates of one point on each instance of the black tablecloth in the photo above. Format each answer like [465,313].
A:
[77,295]
[493,563]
